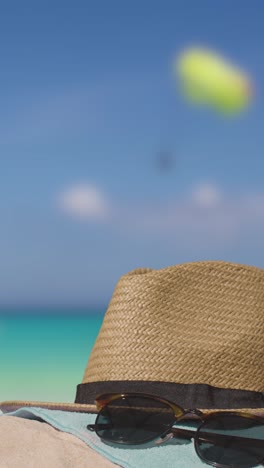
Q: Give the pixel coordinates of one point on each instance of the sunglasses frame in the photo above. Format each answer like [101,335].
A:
[179,413]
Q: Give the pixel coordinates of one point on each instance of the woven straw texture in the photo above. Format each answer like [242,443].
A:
[198,322]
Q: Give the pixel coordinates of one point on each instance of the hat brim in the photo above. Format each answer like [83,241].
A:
[9,406]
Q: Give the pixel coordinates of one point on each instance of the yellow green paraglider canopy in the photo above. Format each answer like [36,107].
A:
[208,79]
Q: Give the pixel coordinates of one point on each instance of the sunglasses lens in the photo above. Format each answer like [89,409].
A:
[134,420]
[231,440]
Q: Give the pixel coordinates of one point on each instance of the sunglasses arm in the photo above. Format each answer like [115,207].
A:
[217,439]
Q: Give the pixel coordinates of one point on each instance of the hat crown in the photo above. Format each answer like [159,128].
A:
[197,322]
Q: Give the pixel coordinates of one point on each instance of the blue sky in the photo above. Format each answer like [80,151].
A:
[88,101]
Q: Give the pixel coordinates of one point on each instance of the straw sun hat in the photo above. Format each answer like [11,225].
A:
[191,333]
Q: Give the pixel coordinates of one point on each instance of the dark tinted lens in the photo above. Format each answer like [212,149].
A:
[231,440]
[133,420]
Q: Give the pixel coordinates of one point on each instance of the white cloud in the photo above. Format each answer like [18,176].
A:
[84,201]
[206,195]
[204,216]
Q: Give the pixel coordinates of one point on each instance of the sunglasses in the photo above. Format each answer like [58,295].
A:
[222,439]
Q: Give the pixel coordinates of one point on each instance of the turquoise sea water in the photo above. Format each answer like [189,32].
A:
[43,354]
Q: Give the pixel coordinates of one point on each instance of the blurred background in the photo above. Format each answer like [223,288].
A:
[107,167]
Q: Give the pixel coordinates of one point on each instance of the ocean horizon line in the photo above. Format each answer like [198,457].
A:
[52,309]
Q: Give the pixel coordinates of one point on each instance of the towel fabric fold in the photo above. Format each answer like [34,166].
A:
[170,454]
